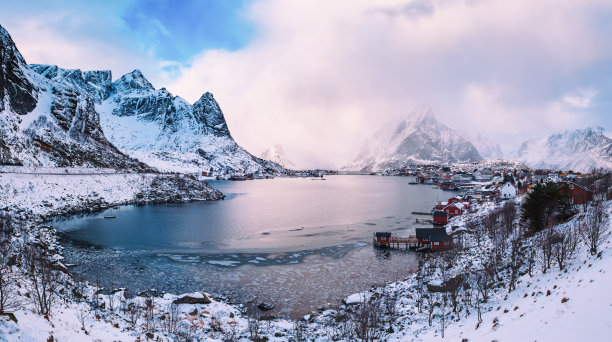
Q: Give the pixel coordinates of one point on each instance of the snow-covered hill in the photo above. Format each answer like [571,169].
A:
[45,118]
[277,154]
[416,139]
[577,150]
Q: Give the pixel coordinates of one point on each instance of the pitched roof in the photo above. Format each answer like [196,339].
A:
[433,234]
[382,234]
[583,187]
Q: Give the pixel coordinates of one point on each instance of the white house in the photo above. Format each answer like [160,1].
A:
[507,191]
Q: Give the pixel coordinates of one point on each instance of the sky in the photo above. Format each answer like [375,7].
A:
[320,76]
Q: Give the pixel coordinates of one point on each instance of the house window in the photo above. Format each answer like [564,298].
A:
[571,186]
[436,243]
[383,238]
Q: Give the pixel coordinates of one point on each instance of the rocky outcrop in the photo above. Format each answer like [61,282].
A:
[200,298]
[17,92]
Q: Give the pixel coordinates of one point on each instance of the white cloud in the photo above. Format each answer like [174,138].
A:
[582,98]
[321,75]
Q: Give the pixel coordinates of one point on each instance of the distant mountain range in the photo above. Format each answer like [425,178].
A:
[57,117]
[277,154]
[416,139]
[51,116]
[577,150]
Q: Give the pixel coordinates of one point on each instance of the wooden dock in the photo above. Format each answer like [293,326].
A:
[398,242]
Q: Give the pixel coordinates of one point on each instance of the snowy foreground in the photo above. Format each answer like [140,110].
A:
[573,304]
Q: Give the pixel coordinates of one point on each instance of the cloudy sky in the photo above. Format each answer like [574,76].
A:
[320,76]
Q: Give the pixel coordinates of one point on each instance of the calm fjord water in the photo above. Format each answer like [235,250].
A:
[298,243]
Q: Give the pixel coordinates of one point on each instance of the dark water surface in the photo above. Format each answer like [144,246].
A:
[298,243]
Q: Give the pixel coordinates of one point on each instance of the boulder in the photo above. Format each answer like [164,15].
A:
[199,298]
[265,306]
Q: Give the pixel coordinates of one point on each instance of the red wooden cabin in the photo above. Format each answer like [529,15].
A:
[454,209]
[434,238]
[440,217]
[580,193]
[382,238]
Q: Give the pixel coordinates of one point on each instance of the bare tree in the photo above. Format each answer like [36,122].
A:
[546,239]
[515,263]
[431,307]
[367,320]
[43,280]
[149,312]
[133,314]
[253,322]
[172,318]
[509,215]
[594,228]
[390,298]
[564,248]
[8,296]
[443,304]
[83,316]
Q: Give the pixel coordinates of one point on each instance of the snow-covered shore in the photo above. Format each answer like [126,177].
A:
[542,306]
[40,195]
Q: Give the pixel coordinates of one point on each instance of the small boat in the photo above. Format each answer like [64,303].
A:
[413,183]
[109,217]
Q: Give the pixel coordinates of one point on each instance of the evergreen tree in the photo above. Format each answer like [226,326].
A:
[543,205]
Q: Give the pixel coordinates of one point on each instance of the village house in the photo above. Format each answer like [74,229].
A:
[434,238]
[454,209]
[580,193]
[440,217]
[382,238]
[483,176]
[507,191]
[461,178]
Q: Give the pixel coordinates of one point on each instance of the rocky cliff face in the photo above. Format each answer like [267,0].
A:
[416,139]
[577,150]
[48,117]
[17,93]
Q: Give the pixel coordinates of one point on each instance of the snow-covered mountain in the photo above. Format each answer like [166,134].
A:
[167,132]
[47,120]
[577,150]
[277,154]
[51,116]
[487,149]
[416,139]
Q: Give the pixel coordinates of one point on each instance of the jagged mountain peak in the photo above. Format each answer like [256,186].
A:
[96,83]
[132,81]
[418,138]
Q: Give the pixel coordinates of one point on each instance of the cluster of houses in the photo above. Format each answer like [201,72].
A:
[476,187]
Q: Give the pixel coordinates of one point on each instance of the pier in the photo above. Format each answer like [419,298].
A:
[381,240]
